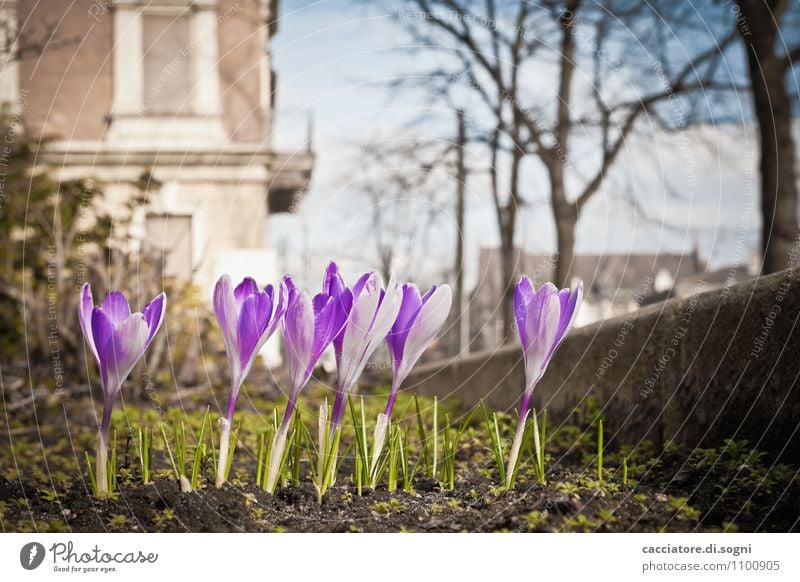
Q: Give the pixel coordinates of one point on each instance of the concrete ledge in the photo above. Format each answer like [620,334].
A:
[718,364]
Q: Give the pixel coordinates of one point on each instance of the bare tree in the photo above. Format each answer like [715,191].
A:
[493,55]
[402,181]
[762,25]
[460,326]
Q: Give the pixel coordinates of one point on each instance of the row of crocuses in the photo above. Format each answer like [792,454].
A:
[355,320]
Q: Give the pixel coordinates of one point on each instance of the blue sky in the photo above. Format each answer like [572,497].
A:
[332,60]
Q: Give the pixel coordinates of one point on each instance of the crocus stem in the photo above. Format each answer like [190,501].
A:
[381,428]
[392,398]
[378,440]
[337,413]
[101,471]
[276,453]
[224,446]
[515,447]
[333,456]
[322,454]
[279,443]
[525,405]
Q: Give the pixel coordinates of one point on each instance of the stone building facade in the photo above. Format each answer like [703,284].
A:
[178,90]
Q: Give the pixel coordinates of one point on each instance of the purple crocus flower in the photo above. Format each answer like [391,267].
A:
[543,319]
[247,318]
[308,329]
[118,340]
[374,312]
[418,322]
[310,326]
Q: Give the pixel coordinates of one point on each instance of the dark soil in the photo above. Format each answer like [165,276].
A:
[43,486]
[474,506]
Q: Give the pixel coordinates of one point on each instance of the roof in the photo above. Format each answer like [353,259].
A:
[602,274]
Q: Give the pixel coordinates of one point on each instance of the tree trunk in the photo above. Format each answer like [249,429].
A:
[460,323]
[565,216]
[779,229]
[778,185]
[508,259]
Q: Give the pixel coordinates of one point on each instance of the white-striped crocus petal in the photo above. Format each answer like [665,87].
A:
[570,300]
[247,317]
[309,327]
[374,312]
[120,344]
[298,333]
[85,308]
[418,322]
[227,319]
[543,318]
[541,328]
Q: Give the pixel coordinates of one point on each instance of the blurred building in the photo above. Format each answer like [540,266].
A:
[179,90]
[614,284]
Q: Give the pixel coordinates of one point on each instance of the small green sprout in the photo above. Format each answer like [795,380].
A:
[291,453]
[452,439]
[50,495]
[497,442]
[119,522]
[429,442]
[625,471]
[164,517]
[600,449]
[539,440]
[190,480]
[144,450]
[362,457]
[323,460]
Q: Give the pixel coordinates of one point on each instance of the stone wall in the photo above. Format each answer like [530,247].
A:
[718,364]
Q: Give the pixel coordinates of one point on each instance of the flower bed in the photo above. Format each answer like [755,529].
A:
[730,489]
[389,462]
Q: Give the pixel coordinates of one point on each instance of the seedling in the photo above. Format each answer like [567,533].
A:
[539,440]
[397,461]
[373,463]
[452,438]
[625,471]
[144,450]
[395,456]
[429,442]
[363,462]
[600,449]
[324,459]
[179,461]
[498,450]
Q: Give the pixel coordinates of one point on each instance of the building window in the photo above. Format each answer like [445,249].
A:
[167,61]
[168,242]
